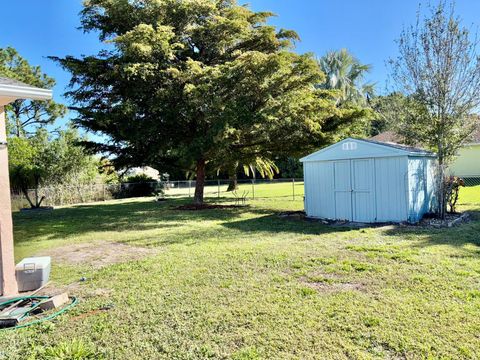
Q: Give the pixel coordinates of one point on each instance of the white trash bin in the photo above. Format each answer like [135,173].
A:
[32,273]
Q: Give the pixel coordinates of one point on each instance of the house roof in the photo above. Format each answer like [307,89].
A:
[387,137]
[351,148]
[411,149]
[8,81]
[11,90]
[392,137]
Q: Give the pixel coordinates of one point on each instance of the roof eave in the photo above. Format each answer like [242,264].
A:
[15,92]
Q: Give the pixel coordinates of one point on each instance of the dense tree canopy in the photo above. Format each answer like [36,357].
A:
[24,117]
[189,83]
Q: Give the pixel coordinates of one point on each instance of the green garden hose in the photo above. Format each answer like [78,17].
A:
[73,302]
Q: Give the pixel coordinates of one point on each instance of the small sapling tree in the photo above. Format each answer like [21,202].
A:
[438,72]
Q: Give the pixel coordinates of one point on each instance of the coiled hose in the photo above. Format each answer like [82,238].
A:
[73,302]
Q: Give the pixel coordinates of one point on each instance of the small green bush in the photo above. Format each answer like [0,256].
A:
[68,350]
[139,186]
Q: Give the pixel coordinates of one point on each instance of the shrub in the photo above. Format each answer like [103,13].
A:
[139,186]
[68,350]
[452,189]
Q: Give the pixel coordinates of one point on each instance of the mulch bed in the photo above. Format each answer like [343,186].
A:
[451,220]
[194,207]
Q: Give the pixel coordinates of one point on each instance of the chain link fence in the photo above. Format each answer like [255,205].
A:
[471,180]
[249,189]
[221,188]
[246,189]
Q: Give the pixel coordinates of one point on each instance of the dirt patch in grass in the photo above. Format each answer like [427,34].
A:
[330,283]
[194,207]
[325,287]
[98,255]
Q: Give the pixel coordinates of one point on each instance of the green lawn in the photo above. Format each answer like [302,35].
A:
[248,284]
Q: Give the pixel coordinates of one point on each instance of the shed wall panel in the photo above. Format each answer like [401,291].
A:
[363,190]
[342,176]
[420,187]
[319,194]
[391,189]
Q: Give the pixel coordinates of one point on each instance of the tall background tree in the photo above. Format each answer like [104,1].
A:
[189,83]
[345,73]
[438,72]
[24,117]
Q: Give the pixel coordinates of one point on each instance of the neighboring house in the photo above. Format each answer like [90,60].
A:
[467,163]
[146,170]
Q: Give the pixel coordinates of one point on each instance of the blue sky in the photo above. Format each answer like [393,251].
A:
[41,28]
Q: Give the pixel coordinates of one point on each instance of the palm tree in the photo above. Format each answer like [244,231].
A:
[251,165]
[346,74]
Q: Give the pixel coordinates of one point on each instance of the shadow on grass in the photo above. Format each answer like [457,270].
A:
[458,236]
[140,215]
[272,223]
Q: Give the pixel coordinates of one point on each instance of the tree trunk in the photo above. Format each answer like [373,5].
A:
[18,126]
[441,191]
[37,185]
[233,184]
[200,183]
[25,193]
[232,175]
[36,197]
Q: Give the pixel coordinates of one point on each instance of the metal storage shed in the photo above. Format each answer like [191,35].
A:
[369,181]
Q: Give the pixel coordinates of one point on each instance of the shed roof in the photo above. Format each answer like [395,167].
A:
[11,89]
[351,148]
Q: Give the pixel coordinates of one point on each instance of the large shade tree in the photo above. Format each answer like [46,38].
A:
[189,83]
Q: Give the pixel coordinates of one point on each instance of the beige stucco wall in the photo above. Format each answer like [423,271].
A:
[8,283]
[467,162]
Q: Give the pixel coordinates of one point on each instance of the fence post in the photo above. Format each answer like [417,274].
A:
[218,192]
[189,188]
[253,188]
[293,187]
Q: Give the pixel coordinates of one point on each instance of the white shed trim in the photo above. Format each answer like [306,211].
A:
[389,150]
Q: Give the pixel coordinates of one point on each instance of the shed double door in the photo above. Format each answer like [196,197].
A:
[353,182]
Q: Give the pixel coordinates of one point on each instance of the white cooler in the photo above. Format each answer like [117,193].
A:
[32,273]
